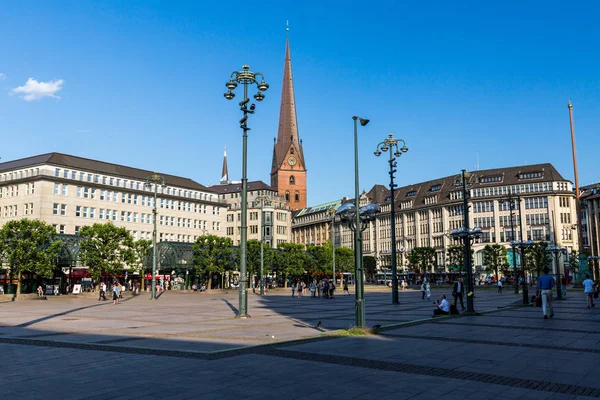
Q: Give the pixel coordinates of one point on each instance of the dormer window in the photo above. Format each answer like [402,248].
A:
[436,188]
[491,179]
[412,193]
[530,175]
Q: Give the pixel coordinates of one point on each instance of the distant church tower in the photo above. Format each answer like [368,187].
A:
[288,172]
[224,174]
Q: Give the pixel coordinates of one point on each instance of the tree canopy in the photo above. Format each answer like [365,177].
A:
[494,258]
[106,249]
[536,257]
[212,254]
[423,258]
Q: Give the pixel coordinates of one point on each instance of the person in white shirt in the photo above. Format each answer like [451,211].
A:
[499,286]
[588,289]
[443,307]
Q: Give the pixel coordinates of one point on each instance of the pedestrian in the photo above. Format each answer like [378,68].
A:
[458,291]
[312,288]
[325,289]
[428,290]
[500,286]
[331,289]
[293,288]
[588,289]
[346,288]
[40,291]
[563,286]
[300,287]
[115,294]
[442,306]
[120,290]
[545,285]
[423,290]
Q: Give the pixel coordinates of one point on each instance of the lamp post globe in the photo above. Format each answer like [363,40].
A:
[245,77]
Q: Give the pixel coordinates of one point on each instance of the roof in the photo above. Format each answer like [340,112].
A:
[100,167]
[321,207]
[237,187]
[442,187]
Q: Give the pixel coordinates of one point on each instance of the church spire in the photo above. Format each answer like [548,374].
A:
[287,134]
[224,174]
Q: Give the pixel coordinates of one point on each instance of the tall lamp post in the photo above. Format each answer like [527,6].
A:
[245,77]
[391,144]
[467,235]
[595,268]
[332,213]
[154,180]
[510,199]
[556,251]
[358,221]
[262,244]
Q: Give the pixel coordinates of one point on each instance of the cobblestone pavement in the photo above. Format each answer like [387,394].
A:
[190,345]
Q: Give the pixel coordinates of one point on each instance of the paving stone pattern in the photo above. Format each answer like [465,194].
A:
[189,345]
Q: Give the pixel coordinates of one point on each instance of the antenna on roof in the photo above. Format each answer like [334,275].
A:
[477,162]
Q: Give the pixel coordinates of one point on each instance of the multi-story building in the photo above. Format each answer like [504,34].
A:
[266,209]
[427,212]
[590,220]
[316,225]
[69,192]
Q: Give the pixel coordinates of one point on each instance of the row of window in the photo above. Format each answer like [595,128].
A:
[514,189]
[130,184]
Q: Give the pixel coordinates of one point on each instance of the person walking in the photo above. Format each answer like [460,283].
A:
[300,287]
[423,290]
[563,286]
[346,288]
[115,293]
[331,289]
[428,290]
[313,289]
[545,285]
[457,292]
[500,286]
[293,289]
[588,290]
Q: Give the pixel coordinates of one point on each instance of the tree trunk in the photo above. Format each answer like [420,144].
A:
[209,285]
[19,276]
[497,277]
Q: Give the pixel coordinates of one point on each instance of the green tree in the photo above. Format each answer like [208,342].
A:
[536,257]
[253,257]
[370,266]
[455,257]
[320,258]
[28,246]
[494,258]
[105,249]
[344,259]
[293,259]
[423,258]
[141,248]
[212,254]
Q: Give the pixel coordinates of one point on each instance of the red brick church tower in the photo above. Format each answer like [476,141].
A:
[288,172]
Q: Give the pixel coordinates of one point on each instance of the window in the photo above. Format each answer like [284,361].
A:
[287,195]
[77,230]
[436,188]
[78,211]
[490,179]
[56,188]
[92,212]
[63,209]
[61,229]
[412,193]
[55,209]
[85,212]
[57,172]
[292,180]
[64,189]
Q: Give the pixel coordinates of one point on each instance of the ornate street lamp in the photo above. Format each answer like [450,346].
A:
[391,144]
[358,222]
[262,200]
[510,199]
[556,251]
[331,212]
[467,234]
[245,77]
[154,180]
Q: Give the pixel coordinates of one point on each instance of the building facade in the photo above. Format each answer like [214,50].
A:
[267,212]
[427,212]
[590,220]
[69,192]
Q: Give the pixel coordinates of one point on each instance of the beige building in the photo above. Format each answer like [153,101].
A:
[275,217]
[70,192]
[427,212]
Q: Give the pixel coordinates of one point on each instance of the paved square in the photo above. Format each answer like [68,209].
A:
[189,345]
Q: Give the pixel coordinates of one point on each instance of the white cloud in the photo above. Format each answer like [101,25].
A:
[34,90]
[2,76]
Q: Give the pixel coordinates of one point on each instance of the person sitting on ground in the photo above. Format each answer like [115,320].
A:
[442,306]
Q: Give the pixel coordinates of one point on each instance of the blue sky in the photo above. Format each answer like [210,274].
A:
[142,83]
